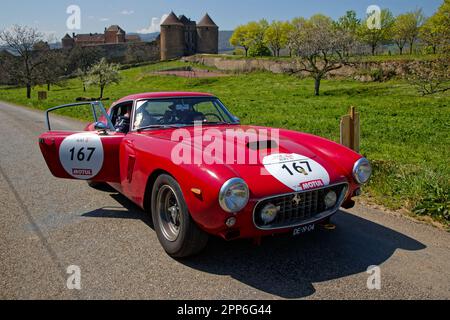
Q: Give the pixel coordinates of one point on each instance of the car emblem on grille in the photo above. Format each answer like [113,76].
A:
[297,199]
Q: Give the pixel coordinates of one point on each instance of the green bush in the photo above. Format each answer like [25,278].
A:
[259,51]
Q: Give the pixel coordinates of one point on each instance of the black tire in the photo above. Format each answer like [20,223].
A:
[177,232]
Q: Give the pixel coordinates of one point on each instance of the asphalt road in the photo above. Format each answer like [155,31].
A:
[47,224]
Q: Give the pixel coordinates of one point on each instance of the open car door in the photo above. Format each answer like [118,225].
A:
[83,155]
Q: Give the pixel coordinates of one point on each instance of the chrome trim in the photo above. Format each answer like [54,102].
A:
[225,186]
[317,218]
[357,165]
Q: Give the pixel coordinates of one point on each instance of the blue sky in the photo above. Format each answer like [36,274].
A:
[137,15]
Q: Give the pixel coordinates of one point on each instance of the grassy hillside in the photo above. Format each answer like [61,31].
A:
[406,136]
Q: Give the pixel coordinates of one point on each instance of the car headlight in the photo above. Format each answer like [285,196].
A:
[234,195]
[362,171]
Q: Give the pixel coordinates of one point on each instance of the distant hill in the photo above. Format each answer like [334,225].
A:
[224,41]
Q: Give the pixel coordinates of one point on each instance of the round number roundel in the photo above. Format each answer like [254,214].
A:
[296,171]
[82,155]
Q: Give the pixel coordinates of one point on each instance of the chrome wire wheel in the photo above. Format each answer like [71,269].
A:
[168,208]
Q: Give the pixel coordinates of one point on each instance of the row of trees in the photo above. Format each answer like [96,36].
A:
[31,62]
[256,38]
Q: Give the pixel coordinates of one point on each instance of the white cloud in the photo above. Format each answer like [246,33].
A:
[155,25]
[127,12]
[104,19]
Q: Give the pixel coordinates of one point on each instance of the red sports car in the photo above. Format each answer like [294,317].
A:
[184,158]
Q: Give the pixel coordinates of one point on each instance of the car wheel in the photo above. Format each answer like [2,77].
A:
[177,232]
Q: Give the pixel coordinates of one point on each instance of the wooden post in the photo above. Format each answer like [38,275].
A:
[42,95]
[350,130]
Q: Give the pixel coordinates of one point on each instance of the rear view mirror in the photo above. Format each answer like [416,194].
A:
[100,126]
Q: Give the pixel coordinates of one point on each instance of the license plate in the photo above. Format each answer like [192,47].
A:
[305,229]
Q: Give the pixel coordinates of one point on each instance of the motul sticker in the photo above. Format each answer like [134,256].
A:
[297,172]
[82,155]
[312,184]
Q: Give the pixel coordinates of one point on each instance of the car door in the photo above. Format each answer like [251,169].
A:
[83,155]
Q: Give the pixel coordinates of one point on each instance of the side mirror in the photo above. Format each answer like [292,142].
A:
[100,126]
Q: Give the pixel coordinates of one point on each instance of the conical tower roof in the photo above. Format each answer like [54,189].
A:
[172,20]
[207,22]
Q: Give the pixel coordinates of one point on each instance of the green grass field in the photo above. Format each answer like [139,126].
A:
[405,135]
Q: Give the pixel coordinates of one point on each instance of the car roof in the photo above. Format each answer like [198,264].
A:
[156,95]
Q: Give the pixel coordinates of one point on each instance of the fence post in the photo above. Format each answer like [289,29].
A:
[350,130]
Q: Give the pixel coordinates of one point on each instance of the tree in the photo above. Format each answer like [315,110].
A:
[430,35]
[373,36]
[318,46]
[415,21]
[240,38]
[251,36]
[104,74]
[81,59]
[348,26]
[276,36]
[430,77]
[436,30]
[21,41]
[296,34]
[52,69]
[401,30]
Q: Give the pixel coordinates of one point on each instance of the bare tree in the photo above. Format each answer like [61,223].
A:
[53,69]
[430,77]
[318,46]
[21,41]
[104,74]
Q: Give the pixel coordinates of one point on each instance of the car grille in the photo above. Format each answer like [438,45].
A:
[299,208]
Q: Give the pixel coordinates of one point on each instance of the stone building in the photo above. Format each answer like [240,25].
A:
[112,35]
[181,36]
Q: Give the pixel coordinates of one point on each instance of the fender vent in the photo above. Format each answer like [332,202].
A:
[262,145]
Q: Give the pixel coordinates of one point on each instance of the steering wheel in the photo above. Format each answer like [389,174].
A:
[214,115]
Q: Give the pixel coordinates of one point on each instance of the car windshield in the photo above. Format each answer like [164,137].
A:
[179,112]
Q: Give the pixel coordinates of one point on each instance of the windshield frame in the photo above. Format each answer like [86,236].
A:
[224,109]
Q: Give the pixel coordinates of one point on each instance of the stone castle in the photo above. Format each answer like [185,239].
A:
[182,37]
[179,37]
[112,35]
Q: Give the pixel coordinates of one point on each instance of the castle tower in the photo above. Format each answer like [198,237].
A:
[207,36]
[172,38]
[120,37]
[68,42]
[113,34]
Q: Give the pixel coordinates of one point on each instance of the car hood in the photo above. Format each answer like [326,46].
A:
[264,172]
[244,140]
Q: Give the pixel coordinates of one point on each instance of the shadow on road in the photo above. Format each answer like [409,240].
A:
[286,266]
